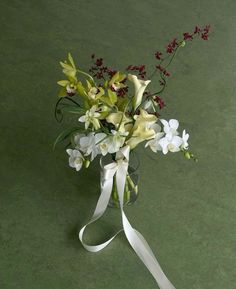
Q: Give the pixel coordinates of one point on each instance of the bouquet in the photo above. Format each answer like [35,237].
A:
[115,111]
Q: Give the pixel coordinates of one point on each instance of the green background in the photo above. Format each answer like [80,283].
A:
[186,211]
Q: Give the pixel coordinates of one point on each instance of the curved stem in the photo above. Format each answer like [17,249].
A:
[56,111]
[72,100]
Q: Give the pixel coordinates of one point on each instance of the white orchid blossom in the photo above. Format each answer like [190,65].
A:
[170,143]
[76,159]
[87,145]
[77,138]
[91,117]
[139,88]
[185,137]
[116,141]
[102,143]
[170,126]
[154,143]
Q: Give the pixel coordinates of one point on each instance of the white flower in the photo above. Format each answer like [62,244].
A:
[102,143]
[154,143]
[76,159]
[139,88]
[87,145]
[77,138]
[171,126]
[170,143]
[116,141]
[148,105]
[91,117]
[185,137]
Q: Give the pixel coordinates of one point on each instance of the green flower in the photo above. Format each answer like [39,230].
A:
[116,81]
[68,86]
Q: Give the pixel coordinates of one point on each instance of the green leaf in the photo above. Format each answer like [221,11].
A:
[72,109]
[65,134]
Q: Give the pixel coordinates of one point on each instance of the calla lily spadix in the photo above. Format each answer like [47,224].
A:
[139,88]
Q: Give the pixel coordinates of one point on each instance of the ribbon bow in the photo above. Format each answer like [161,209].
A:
[136,240]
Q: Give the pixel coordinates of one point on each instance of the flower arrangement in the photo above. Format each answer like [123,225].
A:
[115,112]
[117,109]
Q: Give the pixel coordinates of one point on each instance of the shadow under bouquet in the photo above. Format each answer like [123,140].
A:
[115,112]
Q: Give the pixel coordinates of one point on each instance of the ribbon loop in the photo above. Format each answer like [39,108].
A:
[119,168]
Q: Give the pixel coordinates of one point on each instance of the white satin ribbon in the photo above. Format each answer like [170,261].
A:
[136,240]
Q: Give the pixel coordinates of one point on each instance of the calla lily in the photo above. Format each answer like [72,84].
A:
[139,88]
[142,129]
[120,120]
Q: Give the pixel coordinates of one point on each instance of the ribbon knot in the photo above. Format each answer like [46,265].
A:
[119,167]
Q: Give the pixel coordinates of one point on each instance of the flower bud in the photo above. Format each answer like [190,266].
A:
[187,155]
[182,44]
[86,164]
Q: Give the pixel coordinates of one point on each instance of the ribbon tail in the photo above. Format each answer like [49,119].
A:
[137,241]
[143,250]
[106,188]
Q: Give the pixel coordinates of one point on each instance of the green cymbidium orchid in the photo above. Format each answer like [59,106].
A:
[69,69]
[109,99]
[116,81]
[68,86]
[142,129]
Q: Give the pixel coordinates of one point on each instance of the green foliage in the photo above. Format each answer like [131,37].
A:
[65,134]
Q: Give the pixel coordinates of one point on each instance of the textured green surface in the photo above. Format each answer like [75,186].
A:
[186,211]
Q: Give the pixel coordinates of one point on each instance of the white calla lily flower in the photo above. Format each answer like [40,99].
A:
[139,88]
[76,159]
